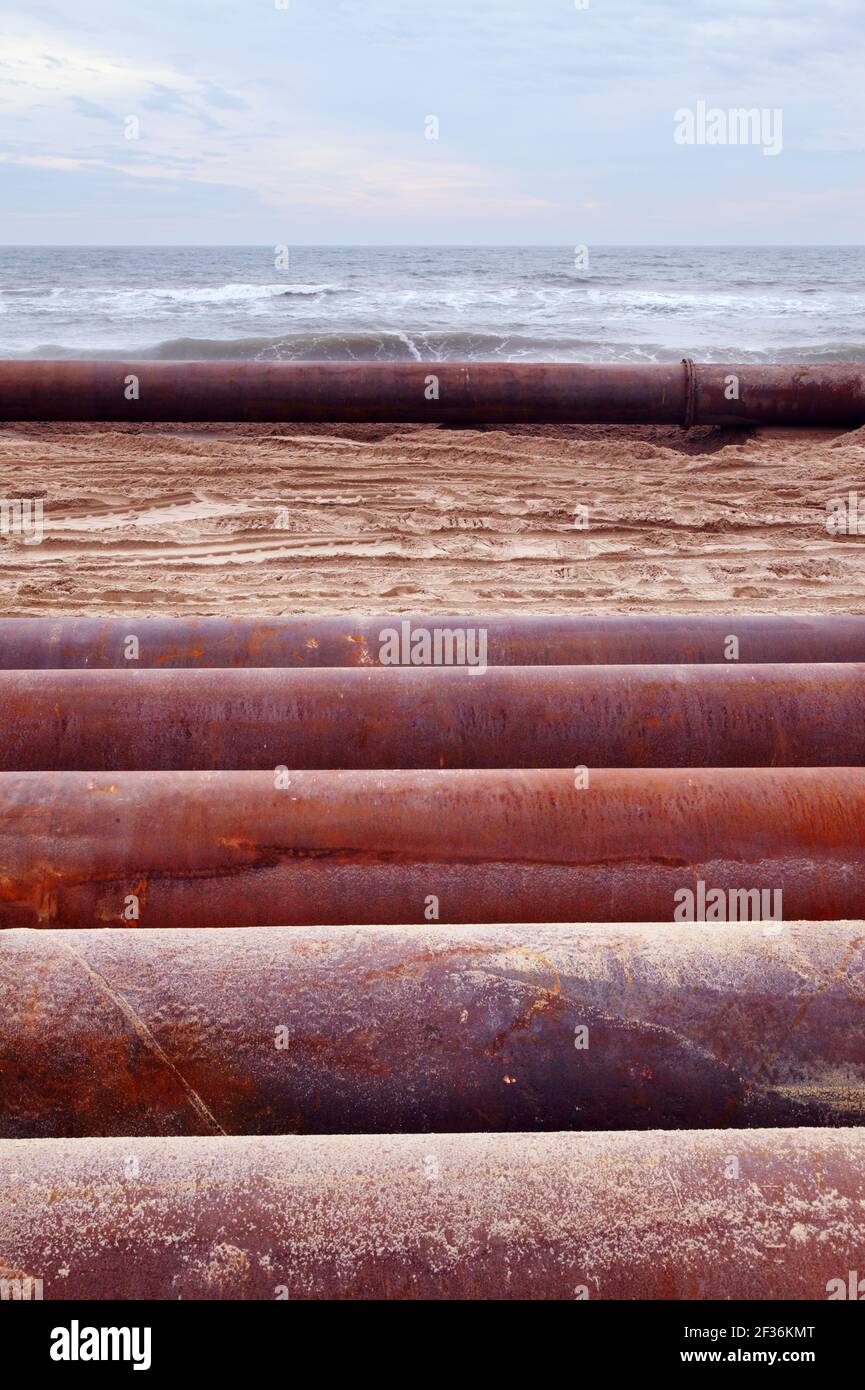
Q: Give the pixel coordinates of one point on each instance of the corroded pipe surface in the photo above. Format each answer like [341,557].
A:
[387,1030]
[523,716]
[129,643]
[424,392]
[776,395]
[230,849]
[468,393]
[764,1214]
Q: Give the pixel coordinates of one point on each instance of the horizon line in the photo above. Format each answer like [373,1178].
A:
[429,245]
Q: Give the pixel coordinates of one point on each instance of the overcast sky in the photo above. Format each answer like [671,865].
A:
[307,124]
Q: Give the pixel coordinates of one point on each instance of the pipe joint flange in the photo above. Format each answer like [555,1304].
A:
[690,392]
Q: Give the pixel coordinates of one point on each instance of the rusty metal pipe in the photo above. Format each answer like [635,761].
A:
[682,393]
[762,1214]
[232,849]
[127,643]
[523,716]
[368,1030]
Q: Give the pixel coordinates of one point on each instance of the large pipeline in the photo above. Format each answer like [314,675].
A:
[776,1214]
[684,393]
[232,849]
[130,643]
[523,716]
[388,1030]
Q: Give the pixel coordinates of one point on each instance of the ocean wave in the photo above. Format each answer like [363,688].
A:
[232,293]
[446,347]
[576,279]
[338,304]
[106,299]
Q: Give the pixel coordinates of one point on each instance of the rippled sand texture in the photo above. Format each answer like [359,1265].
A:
[281,519]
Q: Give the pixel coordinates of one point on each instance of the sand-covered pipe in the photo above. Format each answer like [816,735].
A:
[761,1214]
[522,716]
[133,643]
[385,1030]
[229,849]
[469,393]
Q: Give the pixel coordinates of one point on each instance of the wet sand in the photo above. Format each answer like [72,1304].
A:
[276,519]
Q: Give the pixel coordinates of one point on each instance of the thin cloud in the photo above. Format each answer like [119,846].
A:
[549,116]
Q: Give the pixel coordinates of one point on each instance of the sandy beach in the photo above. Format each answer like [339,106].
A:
[279,519]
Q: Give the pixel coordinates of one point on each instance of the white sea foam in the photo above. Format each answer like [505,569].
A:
[417,303]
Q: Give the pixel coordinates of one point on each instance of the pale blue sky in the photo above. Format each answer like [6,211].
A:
[306,124]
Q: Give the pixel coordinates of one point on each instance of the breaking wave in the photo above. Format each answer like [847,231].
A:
[446,347]
[394,304]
